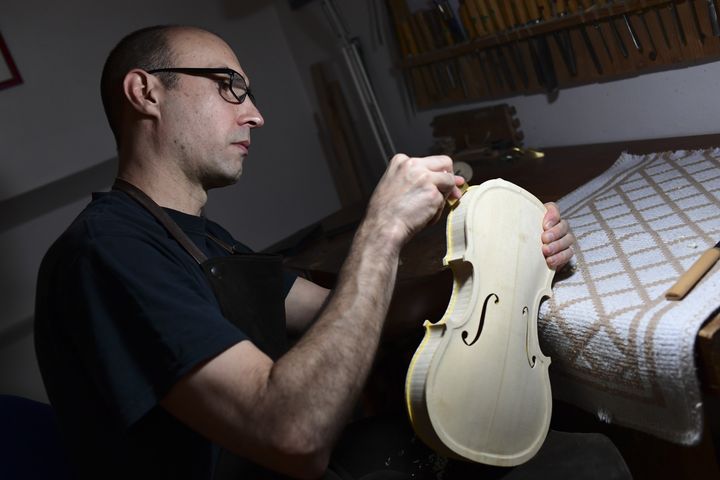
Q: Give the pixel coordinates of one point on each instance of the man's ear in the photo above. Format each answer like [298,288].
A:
[143,91]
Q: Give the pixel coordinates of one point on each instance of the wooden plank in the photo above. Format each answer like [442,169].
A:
[341,163]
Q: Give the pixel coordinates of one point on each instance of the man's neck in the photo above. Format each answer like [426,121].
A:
[168,188]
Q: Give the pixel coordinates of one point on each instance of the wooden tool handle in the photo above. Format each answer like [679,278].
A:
[688,279]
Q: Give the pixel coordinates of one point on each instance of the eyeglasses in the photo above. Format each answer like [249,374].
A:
[236,83]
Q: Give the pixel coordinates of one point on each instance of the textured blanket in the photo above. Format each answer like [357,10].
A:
[619,349]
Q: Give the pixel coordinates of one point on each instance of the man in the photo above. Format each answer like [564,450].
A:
[146,374]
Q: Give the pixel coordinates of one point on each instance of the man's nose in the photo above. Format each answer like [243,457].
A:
[251,115]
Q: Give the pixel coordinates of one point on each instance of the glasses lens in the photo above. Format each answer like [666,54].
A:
[239,88]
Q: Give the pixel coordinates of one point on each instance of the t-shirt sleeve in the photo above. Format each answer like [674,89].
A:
[151,318]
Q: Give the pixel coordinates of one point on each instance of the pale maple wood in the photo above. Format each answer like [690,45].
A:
[487,398]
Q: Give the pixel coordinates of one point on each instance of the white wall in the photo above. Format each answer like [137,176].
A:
[52,127]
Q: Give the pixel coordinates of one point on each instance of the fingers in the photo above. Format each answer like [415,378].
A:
[559,260]
[552,216]
[434,170]
[557,231]
[437,163]
[557,238]
[558,246]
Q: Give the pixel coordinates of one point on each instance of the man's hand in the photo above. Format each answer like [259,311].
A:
[411,195]
[557,238]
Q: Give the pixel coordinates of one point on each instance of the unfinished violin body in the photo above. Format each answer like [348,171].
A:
[478,387]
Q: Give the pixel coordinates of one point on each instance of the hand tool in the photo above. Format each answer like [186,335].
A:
[652,54]
[598,29]
[491,26]
[698,270]
[633,33]
[520,21]
[515,48]
[542,57]
[563,40]
[618,38]
[713,14]
[479,30]
[483,67]
[662,28]
[696,22]
[586,37]
[678,24]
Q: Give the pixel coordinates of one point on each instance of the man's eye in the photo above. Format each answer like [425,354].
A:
[226,85]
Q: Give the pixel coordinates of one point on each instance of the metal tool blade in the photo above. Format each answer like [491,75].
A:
[598,28]
[519,63]
[696,22]
[506,69]
[653,49]
[713,14]
[618,38]
[591,50]
[666,37]
[586,37]
[678,24]
[542,58]
[483,68]
[564,41]
[633,33]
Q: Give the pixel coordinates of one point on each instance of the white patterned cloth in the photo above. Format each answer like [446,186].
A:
[619,349]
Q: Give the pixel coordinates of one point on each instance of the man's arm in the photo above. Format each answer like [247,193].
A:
[287,415]
[302,305]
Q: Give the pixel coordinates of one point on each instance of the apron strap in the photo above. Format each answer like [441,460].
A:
[161,215]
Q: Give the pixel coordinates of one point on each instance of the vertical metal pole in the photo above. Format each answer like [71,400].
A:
[362,84]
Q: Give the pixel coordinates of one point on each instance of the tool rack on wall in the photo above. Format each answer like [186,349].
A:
[489,49]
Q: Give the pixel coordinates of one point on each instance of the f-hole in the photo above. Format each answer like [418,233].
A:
[465,333]
[530,358]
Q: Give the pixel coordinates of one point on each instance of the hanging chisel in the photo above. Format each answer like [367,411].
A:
[598,29]
[541,49]
[633,33]
[652,54]
[618,38]
[483,67]
[489,53]
[586,38]
[521,22]
[503,25]
[563,40]
[631,30]
[662,28]
[478,31]
[713,14]
[515,47]
[696,21]
[678,24]
[490,23]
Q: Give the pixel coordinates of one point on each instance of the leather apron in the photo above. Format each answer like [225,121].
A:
[249,290]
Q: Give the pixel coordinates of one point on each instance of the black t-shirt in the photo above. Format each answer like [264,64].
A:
[122,313]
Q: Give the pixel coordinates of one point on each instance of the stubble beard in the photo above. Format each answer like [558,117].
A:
[221,177]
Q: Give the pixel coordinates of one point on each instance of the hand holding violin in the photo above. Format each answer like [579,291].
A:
[557,238]
[411,194]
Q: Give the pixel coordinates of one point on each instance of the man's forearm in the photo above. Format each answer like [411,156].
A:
[323,374]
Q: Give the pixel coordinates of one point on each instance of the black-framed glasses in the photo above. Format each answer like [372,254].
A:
[236,83]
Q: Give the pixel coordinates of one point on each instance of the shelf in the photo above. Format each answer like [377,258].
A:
[605,42]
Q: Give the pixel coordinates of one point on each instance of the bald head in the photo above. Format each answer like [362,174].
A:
[148,48]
